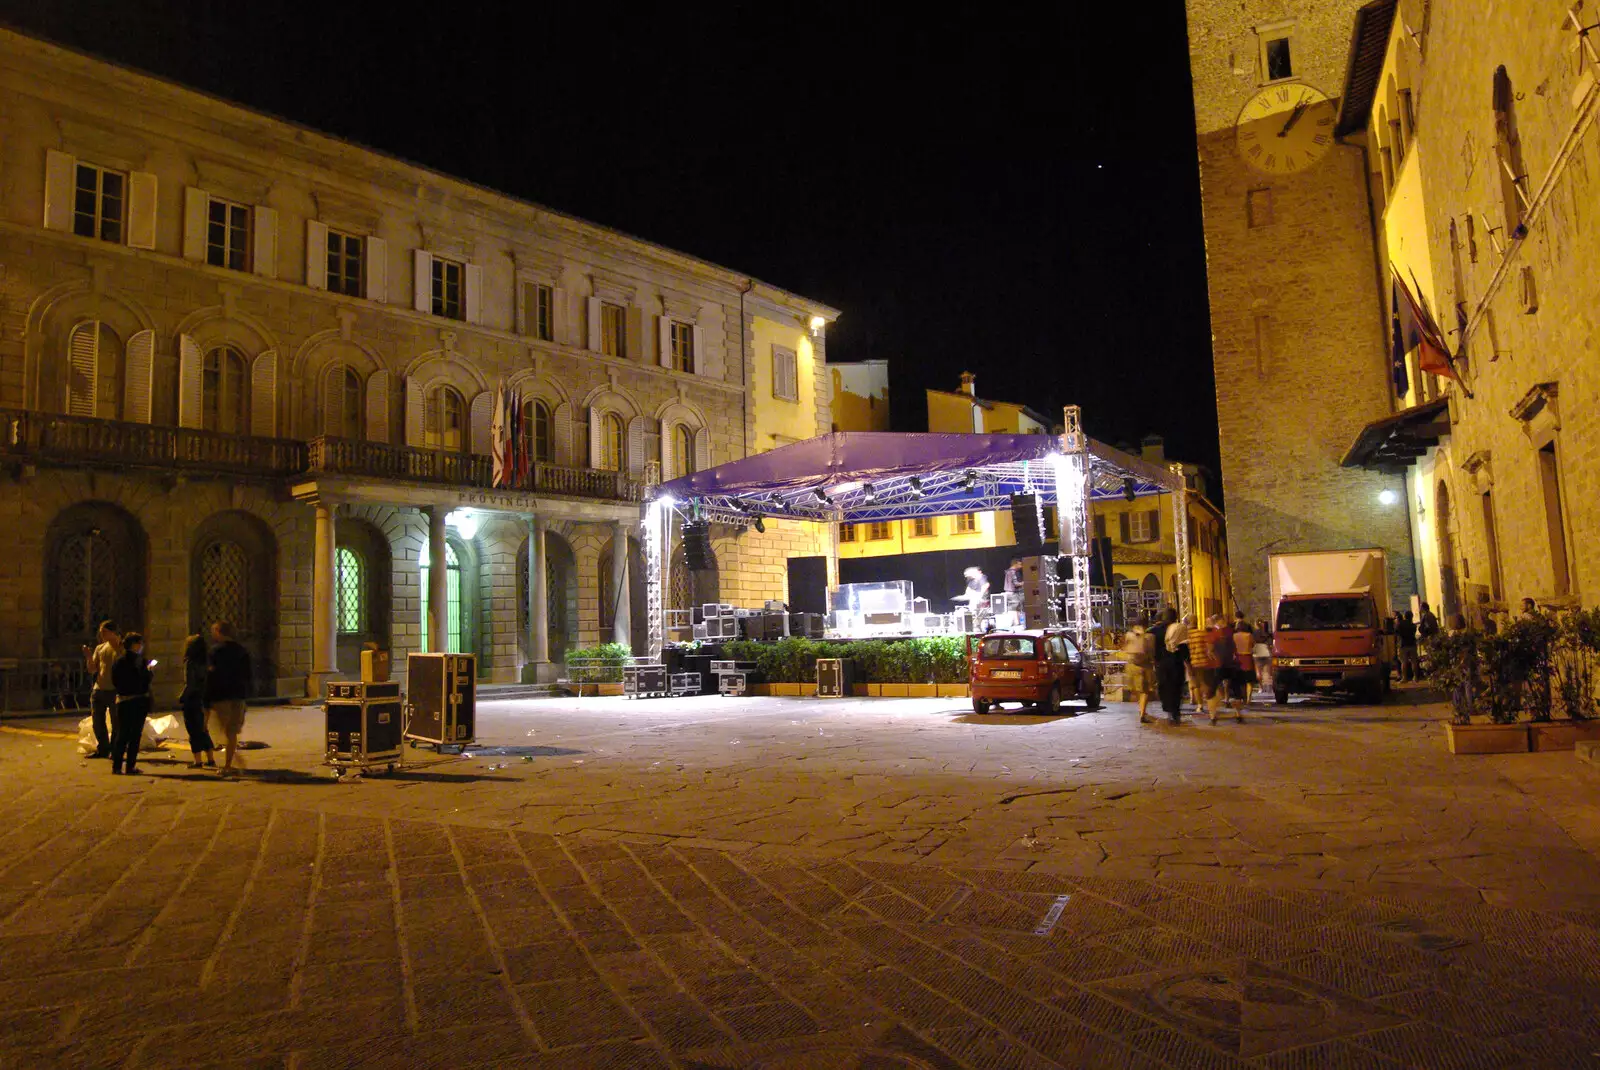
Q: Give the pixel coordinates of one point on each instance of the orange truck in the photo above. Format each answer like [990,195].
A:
[1328,612]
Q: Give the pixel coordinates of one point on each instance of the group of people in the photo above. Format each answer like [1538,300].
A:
[1221,662]
[216,681]
[1409,636]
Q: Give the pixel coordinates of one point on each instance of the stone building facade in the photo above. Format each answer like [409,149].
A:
[1479,136]
[248,370]
[1299,340]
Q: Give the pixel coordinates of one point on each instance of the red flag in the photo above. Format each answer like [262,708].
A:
[1419,331]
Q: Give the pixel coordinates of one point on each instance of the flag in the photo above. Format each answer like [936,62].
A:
[514,446]
[1415,328]
[497,436]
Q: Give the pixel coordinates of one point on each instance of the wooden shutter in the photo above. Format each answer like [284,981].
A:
[375,262]
[594,324]
[702,450]
[664,341]
[195,204]
[633,323]
[668,471]
[264,241]
[560,314]
[83,368]
[596,451]
[138,375]
[472,279]
[264,395]
[415,403]
[142,188]
[60,182]
[481,421]
[698,351]
[378,407]
[638,429]
[422,282]
[189,367]
[1155,525]
[561,427]
[332,398]
[1122,524]
[316,256]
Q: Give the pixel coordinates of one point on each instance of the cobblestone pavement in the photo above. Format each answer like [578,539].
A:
[788,885]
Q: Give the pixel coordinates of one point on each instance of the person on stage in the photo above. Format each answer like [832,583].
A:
[976,595]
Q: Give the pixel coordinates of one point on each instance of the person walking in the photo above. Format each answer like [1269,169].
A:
[1406,630]
[131,678]
[1263,653]
[1203,666]
[1243,677]
[228,679]
[193,701]
[1173,637]
[103,696]
[1139,650]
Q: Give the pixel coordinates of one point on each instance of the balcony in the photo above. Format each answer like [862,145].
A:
[33,437]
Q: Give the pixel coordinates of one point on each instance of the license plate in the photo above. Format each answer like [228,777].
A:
[1322,683]
[1007,674]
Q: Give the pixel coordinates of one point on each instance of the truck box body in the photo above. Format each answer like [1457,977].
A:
[1328,609]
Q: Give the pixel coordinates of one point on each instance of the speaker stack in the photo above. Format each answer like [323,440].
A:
[697,555]
[1025,522]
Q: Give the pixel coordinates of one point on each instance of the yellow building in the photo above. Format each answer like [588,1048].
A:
[860,398]
[1139,532]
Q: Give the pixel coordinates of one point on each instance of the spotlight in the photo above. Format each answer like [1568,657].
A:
[1388,497]
[916,486]
[822,497]
[870,492]
[1127,490]
[761,528]
[969,480]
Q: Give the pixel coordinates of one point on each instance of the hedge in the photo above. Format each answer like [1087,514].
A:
[939,659]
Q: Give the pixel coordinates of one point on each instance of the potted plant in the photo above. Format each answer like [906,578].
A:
[1575,644]
[1462,663]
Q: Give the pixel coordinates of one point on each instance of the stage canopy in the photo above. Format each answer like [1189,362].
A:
[862,476]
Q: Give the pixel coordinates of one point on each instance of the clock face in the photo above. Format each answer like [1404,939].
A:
[1285,128]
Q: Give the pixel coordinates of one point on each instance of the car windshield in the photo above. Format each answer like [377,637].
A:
[1007,646]
[1324,614]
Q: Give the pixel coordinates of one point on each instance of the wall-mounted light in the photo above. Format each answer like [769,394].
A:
[817,323]
[1387,497]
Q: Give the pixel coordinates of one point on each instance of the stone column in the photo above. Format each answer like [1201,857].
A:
[438,580]
[622,617]
[538,601]
[324,602]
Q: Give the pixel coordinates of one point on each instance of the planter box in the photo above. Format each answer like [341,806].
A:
[758,689]
[860,690]
[894,690]
[871,690]
[922,690]
[953,690]
[1561,735]
[790,690]
[1487,738]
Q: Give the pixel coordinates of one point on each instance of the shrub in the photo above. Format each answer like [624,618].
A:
[598,664]
[934,659]
[1530,643]
[1573,662]
[1453,661]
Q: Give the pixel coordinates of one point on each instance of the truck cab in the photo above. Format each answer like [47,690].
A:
[1324,643]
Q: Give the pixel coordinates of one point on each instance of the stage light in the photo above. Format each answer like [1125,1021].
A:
[870,492]
[822,496]
[1127,490]
[761,528]
[969,480]
[916,486]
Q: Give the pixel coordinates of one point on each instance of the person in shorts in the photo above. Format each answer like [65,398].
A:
[1203,667]
[229,677]
[103,696]
[1243,679]
[1139,651]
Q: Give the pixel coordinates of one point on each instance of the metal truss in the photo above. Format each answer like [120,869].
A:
[1073,487]
[657,562]
[1180,542]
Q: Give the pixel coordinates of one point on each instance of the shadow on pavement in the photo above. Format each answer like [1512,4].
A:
[1012,718]
[522,752]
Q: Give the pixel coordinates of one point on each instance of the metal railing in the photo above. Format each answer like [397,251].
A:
[57,684]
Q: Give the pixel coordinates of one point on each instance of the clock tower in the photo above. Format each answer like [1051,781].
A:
[1297,323]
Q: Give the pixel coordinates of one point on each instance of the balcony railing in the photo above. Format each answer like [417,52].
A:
[44,436]
[51,438]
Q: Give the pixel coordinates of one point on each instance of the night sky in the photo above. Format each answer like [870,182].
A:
[1014,195]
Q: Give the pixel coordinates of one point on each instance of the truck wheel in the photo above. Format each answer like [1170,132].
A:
[1280,695]
[980,706]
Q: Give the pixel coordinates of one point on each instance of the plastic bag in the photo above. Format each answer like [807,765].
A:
[86,740]
[157,730]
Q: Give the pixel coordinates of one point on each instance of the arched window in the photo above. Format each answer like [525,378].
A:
[683,450]
[536,418]
[94,371]
[613,439]
[345,404]
[1508,154]
[444,420]
[452,591]
[223,387]
[225,583]
[349,589]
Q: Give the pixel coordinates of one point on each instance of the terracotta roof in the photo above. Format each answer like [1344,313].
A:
[1138,555]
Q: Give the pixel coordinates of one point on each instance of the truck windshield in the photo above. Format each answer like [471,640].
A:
[1324,614]
[1007,646]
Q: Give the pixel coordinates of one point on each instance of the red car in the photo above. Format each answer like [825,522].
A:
[1033,668]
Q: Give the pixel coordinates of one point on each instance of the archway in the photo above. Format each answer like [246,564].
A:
[362,591]
[233,574]
[94,569]
[461,596]
[1449,598]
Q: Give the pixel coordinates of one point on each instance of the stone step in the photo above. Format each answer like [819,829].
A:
[1588,751]
[500,692]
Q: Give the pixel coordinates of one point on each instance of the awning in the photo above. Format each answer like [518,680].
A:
[1368,45]
[1392,443]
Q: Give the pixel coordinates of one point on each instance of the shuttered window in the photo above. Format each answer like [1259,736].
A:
[613,330]
[613,435]
[223,401]
[878,531]
[444,420]
[785,374]
[539,311]
[536,417]
[345,257]
[683,450]
[847,533]
[94,371]
[449,284]
[1143,526]
[682,346]
[346,404]
[227,234]
[966,523]
[99,203]
[922,527]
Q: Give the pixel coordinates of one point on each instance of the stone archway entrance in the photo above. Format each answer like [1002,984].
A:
[94,569]
[1449,592]
[233,573]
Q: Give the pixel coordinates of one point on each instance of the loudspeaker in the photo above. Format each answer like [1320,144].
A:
[834,677]
[697,556]
[1025,521]
[1100,562]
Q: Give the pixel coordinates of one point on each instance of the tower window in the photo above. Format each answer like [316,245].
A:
[1276,51]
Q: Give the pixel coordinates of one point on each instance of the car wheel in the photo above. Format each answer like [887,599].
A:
[1052,701]
[1091,697]
[980,706]
[1280,695]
